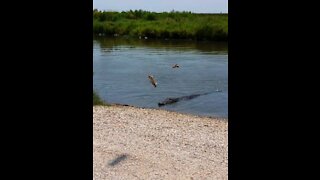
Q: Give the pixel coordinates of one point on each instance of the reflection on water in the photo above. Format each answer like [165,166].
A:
[121,69]
[110,44]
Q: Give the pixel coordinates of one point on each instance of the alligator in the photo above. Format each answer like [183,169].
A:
[174,100]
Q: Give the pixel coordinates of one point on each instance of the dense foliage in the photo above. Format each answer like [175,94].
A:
[166,25]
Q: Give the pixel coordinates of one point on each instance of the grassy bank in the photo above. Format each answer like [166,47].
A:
[166,25]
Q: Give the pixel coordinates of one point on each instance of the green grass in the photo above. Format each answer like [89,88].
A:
[166,25]
[97,100]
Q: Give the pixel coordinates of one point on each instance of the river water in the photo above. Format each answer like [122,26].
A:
[121,68]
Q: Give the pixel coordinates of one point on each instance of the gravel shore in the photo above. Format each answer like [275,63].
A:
[136,143]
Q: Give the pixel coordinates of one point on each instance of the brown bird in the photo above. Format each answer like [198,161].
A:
[152,80]
[175,66]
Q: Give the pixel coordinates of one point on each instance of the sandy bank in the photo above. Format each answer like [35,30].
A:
[135,143]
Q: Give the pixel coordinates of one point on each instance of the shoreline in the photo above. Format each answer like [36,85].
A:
[130,37]
[183,113]
[138,143]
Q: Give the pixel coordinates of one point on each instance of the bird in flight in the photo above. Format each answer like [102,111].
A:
[152,80]
[175,66]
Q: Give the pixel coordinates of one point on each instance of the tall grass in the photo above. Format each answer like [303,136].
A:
[166,25]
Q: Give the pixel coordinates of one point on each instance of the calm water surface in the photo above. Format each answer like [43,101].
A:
[121,68]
